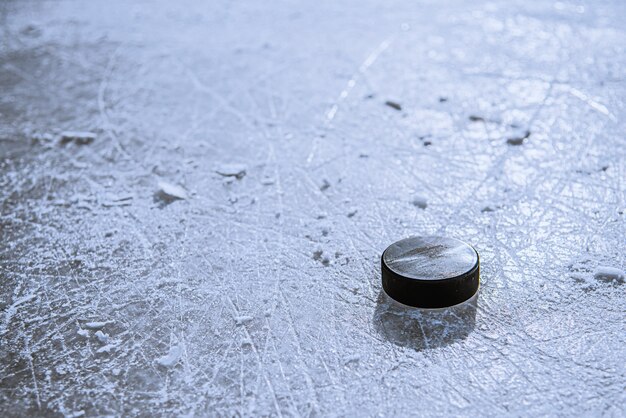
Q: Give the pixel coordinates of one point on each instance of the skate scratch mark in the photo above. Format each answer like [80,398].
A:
[365,65]
[12,310]
[330,115]
[29,357]
[599,107]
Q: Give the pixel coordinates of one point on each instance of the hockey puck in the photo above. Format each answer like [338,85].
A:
[430,272]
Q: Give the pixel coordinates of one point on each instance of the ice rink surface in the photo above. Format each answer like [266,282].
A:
[206,238]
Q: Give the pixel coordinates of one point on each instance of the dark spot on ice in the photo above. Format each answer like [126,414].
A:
[325,185]
[108,234]
[337,254]
[237,171]
[363,156]
[325,232]
[393,105]
[610,275]
[317,256]
[30,30]
[604,168]
[79,138]
[37,138]
[277,216]
[419,202]
[443,99]
[427,143]
[487,209]
[352,213]
[370,96]
[518,140]
[163,199]
[168,193]
[474,118]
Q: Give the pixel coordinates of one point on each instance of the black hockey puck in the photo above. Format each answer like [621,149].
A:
[430,272]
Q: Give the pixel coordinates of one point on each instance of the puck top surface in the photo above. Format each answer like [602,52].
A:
[430,258]
[430,272]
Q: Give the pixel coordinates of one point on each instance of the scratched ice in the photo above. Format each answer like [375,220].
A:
[135,279]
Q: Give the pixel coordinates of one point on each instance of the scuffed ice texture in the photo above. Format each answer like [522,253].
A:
[259,292]
[430,258]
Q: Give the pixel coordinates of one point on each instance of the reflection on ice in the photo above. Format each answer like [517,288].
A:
[423,329]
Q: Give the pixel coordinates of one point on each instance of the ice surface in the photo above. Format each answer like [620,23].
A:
[296,93]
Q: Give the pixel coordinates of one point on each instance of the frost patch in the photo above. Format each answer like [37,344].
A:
[241,320]
[354,358]
[171,358]
[171,191]
[102,337]
[95,325]
[106,349]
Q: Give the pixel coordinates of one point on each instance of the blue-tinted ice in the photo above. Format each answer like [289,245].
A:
[194,198]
